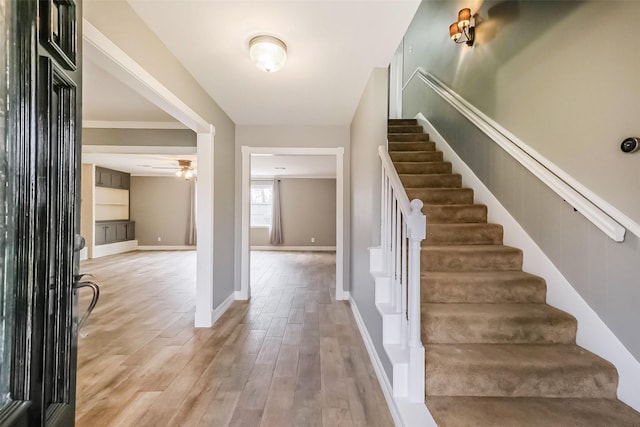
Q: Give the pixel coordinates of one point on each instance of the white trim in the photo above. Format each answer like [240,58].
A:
[115,61]
[404,413]
[604,216]
[223,307]
[271,177]
[294,248]
[166,248]
[105,124]
[245,259]
[114,248]
[204,224]
[138,149]
[593,333]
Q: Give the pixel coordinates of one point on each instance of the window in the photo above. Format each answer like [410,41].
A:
[261,203]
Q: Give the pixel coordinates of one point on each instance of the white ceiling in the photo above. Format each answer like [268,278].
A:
[332,48]
[140,164]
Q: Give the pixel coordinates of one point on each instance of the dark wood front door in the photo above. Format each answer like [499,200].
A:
[39,172]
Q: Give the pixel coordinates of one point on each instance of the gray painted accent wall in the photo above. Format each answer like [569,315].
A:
[160,208]
[139,137]
[560,75]
[308,209]
[368,131]
[603,272]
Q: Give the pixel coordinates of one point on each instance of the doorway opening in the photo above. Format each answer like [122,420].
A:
[247,154]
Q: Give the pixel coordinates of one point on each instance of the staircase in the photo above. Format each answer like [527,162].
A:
[496,354]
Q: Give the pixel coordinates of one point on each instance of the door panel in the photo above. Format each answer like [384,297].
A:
[39,176]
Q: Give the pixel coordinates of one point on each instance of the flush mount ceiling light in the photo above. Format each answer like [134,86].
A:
[462,31]
[268,53]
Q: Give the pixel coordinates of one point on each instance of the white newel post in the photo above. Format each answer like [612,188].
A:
[417,233]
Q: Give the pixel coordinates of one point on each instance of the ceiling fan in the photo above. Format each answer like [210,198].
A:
[183,170]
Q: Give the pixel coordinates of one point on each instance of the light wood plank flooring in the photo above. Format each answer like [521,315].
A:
[292,356]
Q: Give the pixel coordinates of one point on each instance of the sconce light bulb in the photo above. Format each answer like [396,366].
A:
[454,32]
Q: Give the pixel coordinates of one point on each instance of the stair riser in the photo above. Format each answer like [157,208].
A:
[423,167]
[416,156]
[402,122]
[446,234]
[452,214]
[443,260]
[431,181]
[441,290]
[441,196]
[407,137]
[412,146]
[470,328]
[405,129]
[574,382]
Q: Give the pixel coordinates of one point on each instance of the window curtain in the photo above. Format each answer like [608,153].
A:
[191,219]
[275,235]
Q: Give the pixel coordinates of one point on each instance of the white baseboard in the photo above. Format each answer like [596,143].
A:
[593,334]
[223,307]
[114,248]
[404,413]
[166,248]
[294,248]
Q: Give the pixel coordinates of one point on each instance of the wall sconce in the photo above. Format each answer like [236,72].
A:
[462,31]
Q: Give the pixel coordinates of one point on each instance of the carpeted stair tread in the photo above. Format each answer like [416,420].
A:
[411,146]
[431,180]
[463,234]
[455,213]
[402,122]
[517,370]
[482,287]
[452,196]
[530,412]
[496,324]
[423,167]
[398,137]
[470,258]
[416,156]
[404,129]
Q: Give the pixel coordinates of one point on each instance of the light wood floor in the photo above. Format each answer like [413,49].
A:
[292,356]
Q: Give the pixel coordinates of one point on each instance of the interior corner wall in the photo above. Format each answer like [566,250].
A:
[160,208]
[117,20]
[602,271]
[557,74]
[368,131]
[291,136]
[308,210]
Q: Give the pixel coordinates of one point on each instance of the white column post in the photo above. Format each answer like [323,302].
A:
[417,232]
[341,294]
[245,261]
[204,223]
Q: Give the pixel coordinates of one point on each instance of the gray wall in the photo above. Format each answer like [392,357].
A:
[160,208]
[139,137]
[291,136]
[117,20]
[368,131]
[604,273]
[308,208]
[560,75]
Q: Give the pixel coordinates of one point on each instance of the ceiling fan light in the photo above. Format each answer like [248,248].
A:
[268,53]
[179,173]
[188,174]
